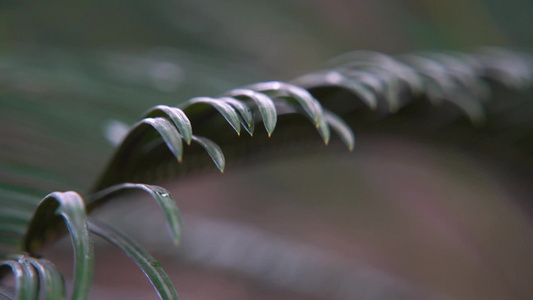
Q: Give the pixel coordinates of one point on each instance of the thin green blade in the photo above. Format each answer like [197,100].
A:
[54,283]
[159,194]
[26,280]
[281,89]
[341,128]
[71,208]
[213,150]
[151,268]
[176,115]
[335,78]
[246,116]
[266,106]
[226,110]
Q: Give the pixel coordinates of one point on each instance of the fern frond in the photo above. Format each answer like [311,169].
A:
[382,82]
[45,226]
[269,98]
[381,85]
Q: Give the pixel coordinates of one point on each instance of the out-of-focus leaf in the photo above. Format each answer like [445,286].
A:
[151,268]
[54,283]
[27,282]
[7,293]
[341,128]
[71,208]
[337,79]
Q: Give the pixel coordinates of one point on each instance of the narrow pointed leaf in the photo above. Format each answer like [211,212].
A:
[322,128]
[364,77]
[383,82]
[463,73]
[335,78]
[176,115]
[226,110]
[168,133]
[341,128]
[385,62]
[246,116]
[159,194]
[151,268]
[213,150]
[25,280]
[54,283]
[266,106]
[281,89]
[431,70]
[71,208]
[33,286]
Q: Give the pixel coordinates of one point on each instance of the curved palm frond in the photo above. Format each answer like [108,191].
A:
[381,84]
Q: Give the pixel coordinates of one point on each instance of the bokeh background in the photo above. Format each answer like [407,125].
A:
[399,218]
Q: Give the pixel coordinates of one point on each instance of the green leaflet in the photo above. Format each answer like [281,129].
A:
[382,83]
[341,128]
[462,73]
[26,281]
[281,89]
[169,134]
[309,104]
[265,105]
[142,259]
[401,71]
[52,280]
[71,208]
[176,115]
[226,110]
[337,79]
[213,150]
[245,114]
[329,119]
[159,194]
